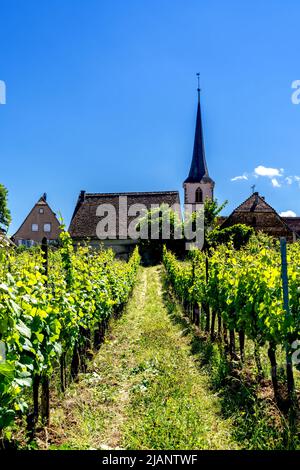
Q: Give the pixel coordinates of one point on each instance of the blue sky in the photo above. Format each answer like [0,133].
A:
[101,96]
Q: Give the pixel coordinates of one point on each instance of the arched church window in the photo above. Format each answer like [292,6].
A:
[199,195]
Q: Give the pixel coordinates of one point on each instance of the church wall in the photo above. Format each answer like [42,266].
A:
[190,190]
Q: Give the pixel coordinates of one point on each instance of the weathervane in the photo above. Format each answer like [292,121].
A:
[198,89]
[253,188]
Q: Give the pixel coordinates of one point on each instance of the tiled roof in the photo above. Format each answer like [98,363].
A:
[221,219]
[255,203]
[85,220]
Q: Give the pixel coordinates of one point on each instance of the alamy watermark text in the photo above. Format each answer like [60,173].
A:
[2,92]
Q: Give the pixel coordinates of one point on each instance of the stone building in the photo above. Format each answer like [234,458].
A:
[85,219]
[257,213]
[198,185]
[40,222]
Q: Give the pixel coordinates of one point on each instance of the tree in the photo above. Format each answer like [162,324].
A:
[211,211]
[5,217]
[238,234]
[159,226]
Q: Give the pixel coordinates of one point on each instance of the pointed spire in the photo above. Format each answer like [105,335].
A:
[198,166]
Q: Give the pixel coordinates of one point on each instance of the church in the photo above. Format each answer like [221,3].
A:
[198,186]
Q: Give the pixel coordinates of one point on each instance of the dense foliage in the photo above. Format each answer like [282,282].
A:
[158,227]
[241,291]
[5,216]
[48,312]
[238,234]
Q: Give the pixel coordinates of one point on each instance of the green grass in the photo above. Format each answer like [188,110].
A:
[170,406]
[144,389]
[257,423]
[157,383]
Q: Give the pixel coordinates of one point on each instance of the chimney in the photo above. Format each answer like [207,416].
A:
[45,196]
[82,196]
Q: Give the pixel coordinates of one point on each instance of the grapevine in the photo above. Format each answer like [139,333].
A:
[239,293]
[46,320]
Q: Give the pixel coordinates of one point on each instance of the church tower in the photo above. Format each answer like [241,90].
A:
[198,186]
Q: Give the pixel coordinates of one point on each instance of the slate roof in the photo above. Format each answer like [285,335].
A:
[84,220]
[198,171]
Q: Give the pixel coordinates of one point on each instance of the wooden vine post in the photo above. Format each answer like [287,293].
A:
[195,306]
[45,399]
[285,289]
[207,325]
[45,257]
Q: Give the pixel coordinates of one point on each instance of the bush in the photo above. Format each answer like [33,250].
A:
[238,234]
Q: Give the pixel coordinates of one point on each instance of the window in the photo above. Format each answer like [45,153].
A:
[27,243]
[41,210]
[199,197]
[47,227]
[34,227]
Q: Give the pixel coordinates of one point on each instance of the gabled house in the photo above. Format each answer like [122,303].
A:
[257,213]
[83,226]
[40,222]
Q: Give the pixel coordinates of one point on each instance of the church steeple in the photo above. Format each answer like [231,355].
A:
[198,166]
[198,185]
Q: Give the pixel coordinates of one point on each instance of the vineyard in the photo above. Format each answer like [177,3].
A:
[237,296]
[54,309]
[152,377]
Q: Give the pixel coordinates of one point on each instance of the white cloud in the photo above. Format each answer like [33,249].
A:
[240,178]
[275,183]
[288,214]
[275,175]
[265,171]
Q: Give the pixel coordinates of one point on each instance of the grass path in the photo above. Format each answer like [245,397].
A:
[145,389]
